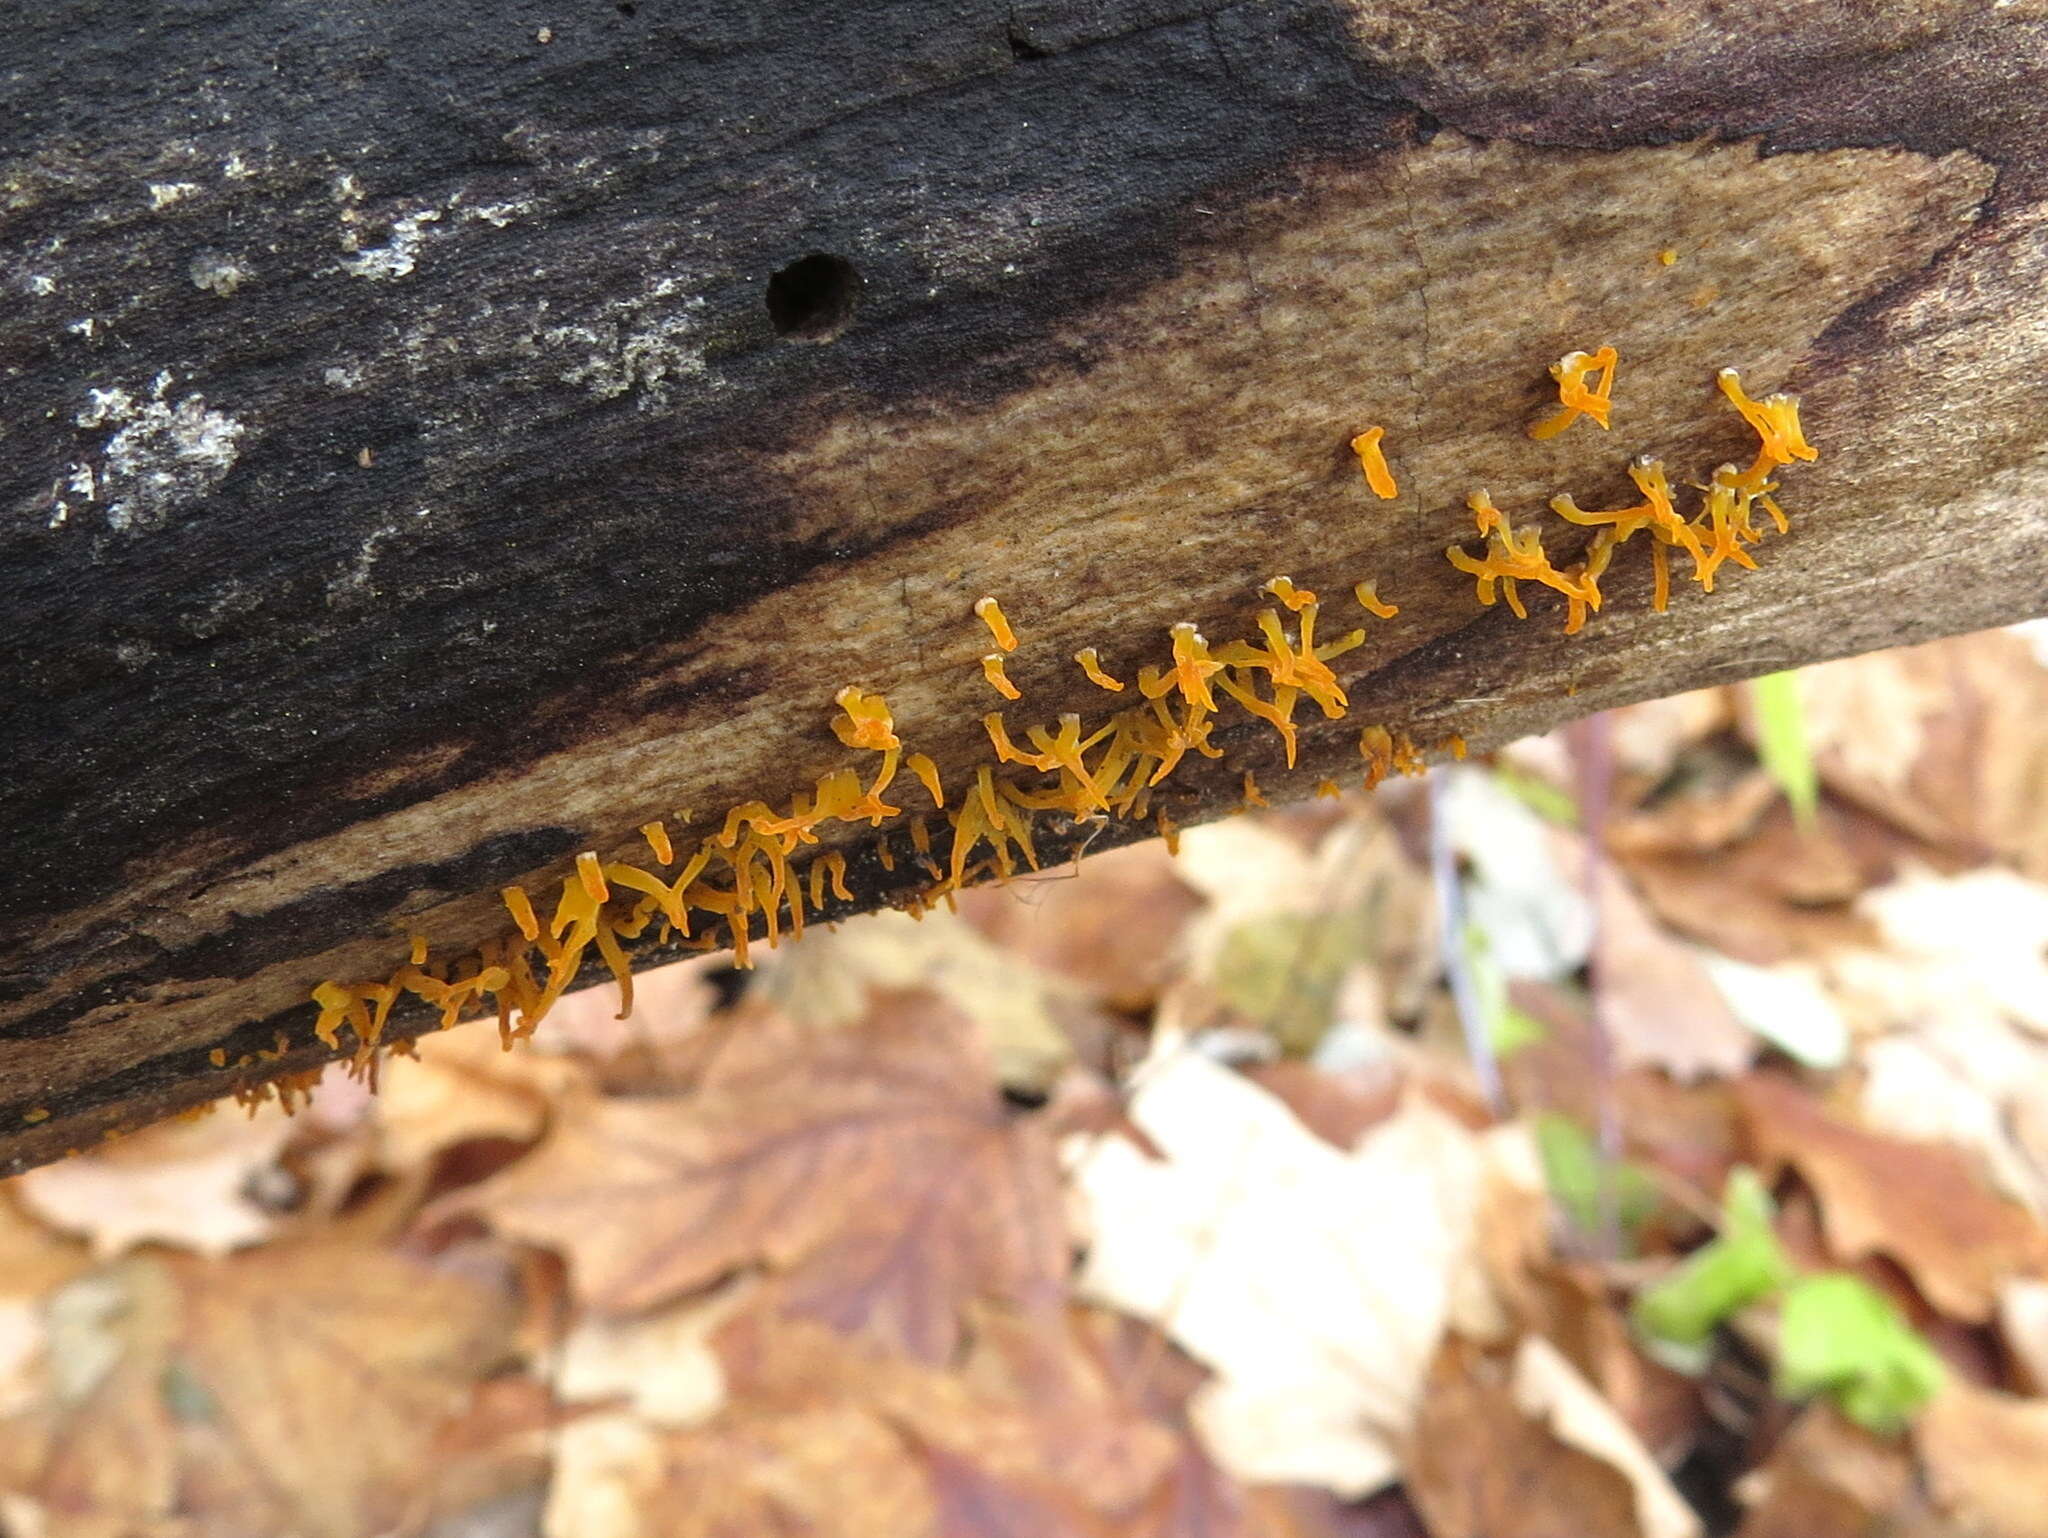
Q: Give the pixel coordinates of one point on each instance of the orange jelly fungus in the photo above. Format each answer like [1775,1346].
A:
[1091,669]
[1719,533]
[991,614]
[1575,396]
[1373,461]
[999,680]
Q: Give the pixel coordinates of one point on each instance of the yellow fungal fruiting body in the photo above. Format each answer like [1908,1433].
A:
[991,615]
[1372,460]
[1716,535]
[1370,601]
[1576,398]
[999,680]
[1091,669]
[1294,598]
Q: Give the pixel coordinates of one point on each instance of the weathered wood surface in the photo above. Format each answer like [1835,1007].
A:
[404,482]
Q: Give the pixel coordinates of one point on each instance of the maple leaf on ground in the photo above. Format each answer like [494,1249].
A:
[296,1387]
[873,1168]
[1921,1204]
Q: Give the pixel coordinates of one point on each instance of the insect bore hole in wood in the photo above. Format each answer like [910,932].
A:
[811,300]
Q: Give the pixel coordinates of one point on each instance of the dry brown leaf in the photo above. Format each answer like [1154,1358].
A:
[34,1258]
[1478,1467]
[1985,1453]
[824,1437]
[462,1086]
[1338,1105]
[1111,924]
[1572,1308]
[1921,1205]
[1948,740]
[1828,1479]
[1777,894]
[1719,804]
[1548,1388]
[295,1387]
[874,1167]
[184,1183]
[1660,1007]
[2023,1321]
[659,1365]
[828,979]
[1648,738]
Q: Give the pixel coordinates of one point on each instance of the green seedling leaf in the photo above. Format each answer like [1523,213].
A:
[1508,1029]
[1840,1337]
[1574,1169]
[1742,1265]
[1782,745]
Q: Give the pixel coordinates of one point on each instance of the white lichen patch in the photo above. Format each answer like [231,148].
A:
[162,456]
[164,194]
[342,376]
[41,284]
[218,273]
[647,344]
[399,254]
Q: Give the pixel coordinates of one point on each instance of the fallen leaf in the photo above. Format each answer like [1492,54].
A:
[183,1183]
[1921,1205]
[1978,941]
[824,1436]
[1974,1083]
[1661,1007]
[1984,1453]
[2023,1321]
[1480,1467]
[38,1259]
[660,1365]
[461,1086]
[1111,923]
[827,979]
[1787,1005]
[874,1168]
[1522,893]
[1945,739]
[296,1387]
[1549,1389]
[1315,1283]
[1827,1478]
[1648,738]
[1758,899]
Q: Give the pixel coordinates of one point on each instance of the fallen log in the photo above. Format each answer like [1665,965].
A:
[438,444]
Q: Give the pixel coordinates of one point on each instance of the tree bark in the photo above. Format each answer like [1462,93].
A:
[416,472]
